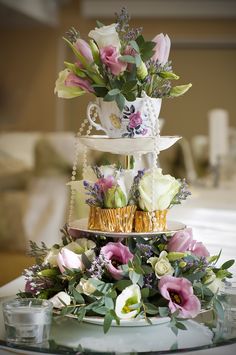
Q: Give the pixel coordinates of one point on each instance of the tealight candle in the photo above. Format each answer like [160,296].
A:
[27,320]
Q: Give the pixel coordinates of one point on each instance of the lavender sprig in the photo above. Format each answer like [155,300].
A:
[98,267]
[72,34]
[134,192]
[95,193]
[182,194]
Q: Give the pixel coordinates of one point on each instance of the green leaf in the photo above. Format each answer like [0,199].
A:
[102,310]
[163,311]
[150,308]
[99,24]
[122,284]
[48,272]
[109,98]
[227,264]
[174,329]
[86,262]
[179,90]
[140,41]
[120,100]
[117,319]
[127,59]
[100,91]
[134,45]
[145,292]
[180,325]
[107,322]
[138,61]
[129,86]
[109,304]
[174,346]
[218,308]
[77,296]
[134,277]
[81,314]
[114,92]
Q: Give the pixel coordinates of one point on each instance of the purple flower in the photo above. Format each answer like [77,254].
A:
[183,241]
[105,184]
[116,254]
[179,292]
[74,81]
[135,119]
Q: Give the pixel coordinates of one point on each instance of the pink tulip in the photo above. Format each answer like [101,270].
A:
[68,259]
[110,57]
[116,254]
[161,49]
[73,80]
[179,292]
[181,241]
[84,49]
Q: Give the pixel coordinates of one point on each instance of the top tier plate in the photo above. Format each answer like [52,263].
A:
[127,146]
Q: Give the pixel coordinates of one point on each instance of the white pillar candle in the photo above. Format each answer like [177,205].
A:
[218,134]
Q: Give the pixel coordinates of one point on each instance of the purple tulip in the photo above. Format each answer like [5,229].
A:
[179,292]
[68,259]
[84,49]
[116,254]
[161,49]
[183,241]
[110,57]
[74,81]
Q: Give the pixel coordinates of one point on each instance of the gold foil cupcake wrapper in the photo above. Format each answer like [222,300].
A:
[94,218]
[118,220]
[144,222]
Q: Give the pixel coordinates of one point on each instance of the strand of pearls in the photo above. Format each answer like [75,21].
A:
[75,165]
[156,151]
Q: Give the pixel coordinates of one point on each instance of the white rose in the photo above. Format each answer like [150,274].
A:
[85,287]
[106,36]
[51,257]
[60,296]
[129,297]
[161,265]
[157,190]
[82,246]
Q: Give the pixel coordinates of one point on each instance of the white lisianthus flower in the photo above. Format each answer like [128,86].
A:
[106,36]
[126,302]
[161,265]
[82,246]
[157,190]
[60,296]
[85,286]
[63,91]
[51,257]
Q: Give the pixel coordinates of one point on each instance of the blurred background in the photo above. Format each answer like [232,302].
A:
[37,128]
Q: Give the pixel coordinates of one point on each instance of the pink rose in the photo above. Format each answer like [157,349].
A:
[110,57]
[84,49]
[116,254]
[106,183]
[135,119]
[73,80]
[68,259]
[179,292]
[161,49]
[183,241]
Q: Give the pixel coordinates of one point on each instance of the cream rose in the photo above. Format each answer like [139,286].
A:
[56,300]
[126,301]
[161,265]
[51,257]
[106,36]
[85,287]
[214,283]
[157,190]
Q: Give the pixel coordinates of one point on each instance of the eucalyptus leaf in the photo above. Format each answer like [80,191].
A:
[107,322]
[163,311]
[134,45]
[120,100]
[127,59]
[180,325]
[122,284]
[150,308]
[114,92]
[134,277]
[145,292]
[77,296]
[109,303]
[228,264]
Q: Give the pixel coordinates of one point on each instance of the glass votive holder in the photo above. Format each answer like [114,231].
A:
[230,294]
[27,320]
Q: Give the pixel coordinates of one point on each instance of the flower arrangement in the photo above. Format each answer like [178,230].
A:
[164,275]
[117,63]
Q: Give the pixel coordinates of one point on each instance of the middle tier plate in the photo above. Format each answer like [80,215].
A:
[79,227]
[127,146]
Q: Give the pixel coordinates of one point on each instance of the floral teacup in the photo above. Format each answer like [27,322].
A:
[138,118]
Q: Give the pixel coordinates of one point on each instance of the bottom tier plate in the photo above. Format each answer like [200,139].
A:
[80,227]
[128,322]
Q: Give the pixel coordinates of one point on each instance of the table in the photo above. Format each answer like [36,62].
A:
[69,337]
